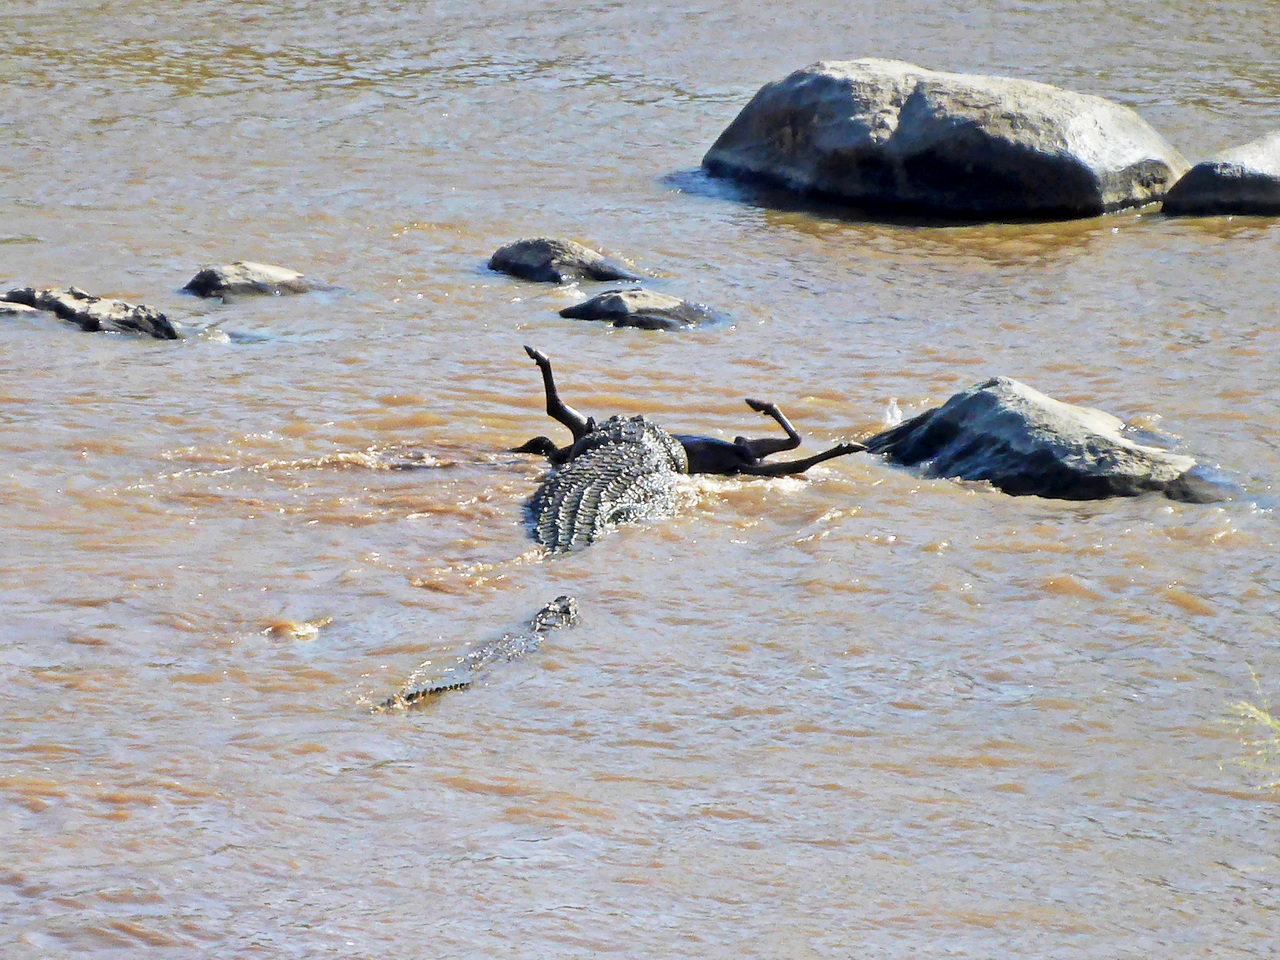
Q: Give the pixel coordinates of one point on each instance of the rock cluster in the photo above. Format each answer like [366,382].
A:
[553,260]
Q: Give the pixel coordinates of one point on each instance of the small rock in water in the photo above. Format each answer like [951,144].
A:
[640,308]
[550,260]
[95,314]
[1242,181]
[301,630]
[247,277]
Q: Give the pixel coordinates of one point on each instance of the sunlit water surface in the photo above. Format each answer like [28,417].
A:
[856,713]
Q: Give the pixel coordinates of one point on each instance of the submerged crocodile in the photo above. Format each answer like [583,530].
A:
[427,681]
[627,468]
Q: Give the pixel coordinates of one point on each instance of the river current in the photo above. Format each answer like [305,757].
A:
[855,713]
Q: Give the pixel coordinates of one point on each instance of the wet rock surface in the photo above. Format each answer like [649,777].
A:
[8,309]
[895,138]
[244,277]
[1242,181]
[641,308]
[1025,443]
[95,314]
[552,260]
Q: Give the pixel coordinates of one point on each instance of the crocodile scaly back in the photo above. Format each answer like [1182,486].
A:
[624,470]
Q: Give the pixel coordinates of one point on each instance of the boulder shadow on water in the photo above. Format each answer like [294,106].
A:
[1027,444]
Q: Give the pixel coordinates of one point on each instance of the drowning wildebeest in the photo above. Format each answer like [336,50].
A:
[705,454]
[626,468]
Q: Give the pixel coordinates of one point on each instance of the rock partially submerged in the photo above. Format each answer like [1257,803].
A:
[889,136]
[550,260]
[246,277]
[8,309]
[1242,181]
[640,308]
[95,314]
[1026,443]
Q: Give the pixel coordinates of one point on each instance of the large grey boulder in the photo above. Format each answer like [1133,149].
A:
[892,137]
[1244,180]
[247,277]
[95,314]
[1026,443]
[551,260]
[645,309]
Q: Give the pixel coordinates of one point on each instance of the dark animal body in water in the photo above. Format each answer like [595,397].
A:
[626,468]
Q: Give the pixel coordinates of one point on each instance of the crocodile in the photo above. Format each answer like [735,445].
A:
[429,681]
[627,468]
[624,470]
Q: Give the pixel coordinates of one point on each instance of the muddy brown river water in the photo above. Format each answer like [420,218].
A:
[854,714]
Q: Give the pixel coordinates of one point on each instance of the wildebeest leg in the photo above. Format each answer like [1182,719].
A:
[800,466]
[764,447]
[557,409]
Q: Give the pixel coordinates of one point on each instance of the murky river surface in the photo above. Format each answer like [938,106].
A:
[851,714]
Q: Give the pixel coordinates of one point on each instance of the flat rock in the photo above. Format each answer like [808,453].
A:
[640,308]
[8,309]
[1025,443]
[892,137]
[246,277]
[549,260]
[95,314]
[1242,181]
